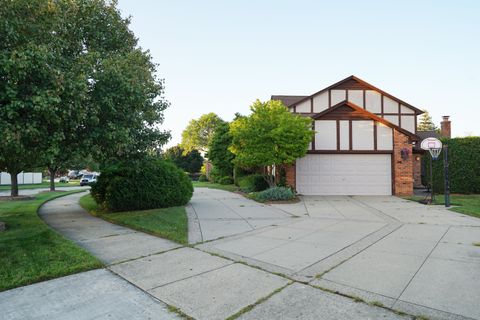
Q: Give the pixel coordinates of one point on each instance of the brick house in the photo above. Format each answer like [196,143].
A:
[363,144]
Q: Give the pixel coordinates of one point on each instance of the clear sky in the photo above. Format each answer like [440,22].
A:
[219,56]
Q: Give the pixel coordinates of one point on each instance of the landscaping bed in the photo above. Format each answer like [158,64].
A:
[30,251]
[169,223]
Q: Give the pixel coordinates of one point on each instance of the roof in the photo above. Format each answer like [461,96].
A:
[288,100]
[360,83]
[368,114]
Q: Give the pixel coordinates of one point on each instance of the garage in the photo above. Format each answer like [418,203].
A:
[344,174]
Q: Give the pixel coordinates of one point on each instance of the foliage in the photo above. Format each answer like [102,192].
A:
[426,123]
[188,161]
[74,82]
[464,166]
[218,152]
[270,137]
[226,187]
[252,183]
[275,194]
[31,251]
[169,223]
[199,132]
[202,178]
[142,184]
[225,180]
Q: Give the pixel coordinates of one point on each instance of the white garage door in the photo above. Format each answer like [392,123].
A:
[344,174]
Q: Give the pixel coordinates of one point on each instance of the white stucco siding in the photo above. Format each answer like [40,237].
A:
[304,107]
[408,123]
[326,135]
[344,135]
[337,96]
[392,118]
[356,97]
[404,109]
[373,101]
[389,105]
[384,137]
[362,135]
[320,102]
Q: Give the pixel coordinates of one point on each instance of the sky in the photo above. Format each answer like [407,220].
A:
[220,56]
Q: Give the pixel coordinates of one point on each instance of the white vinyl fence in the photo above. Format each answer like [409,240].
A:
[22,177]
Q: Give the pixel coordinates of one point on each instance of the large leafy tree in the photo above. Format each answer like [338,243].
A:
[218,150]
[271,137]
[199,132]
[426,123]
[73,82]
[190,161]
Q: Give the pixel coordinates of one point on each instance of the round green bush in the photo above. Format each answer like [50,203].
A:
[225,180]
[142,184]
[202,178]
[276,194]
[252,183]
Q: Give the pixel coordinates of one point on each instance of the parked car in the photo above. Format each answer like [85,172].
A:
[74,174]
[88,178]
[64,179]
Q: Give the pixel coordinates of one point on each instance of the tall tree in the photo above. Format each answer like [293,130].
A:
[199,132]
[426,123]
[218,150]
[188,161]
[72,81]
[271,137]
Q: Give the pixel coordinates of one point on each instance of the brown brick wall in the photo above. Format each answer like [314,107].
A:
[402,168]
[417,170]
[290,175]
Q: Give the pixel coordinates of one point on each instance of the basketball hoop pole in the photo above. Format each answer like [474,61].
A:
[447,181]
[432,195]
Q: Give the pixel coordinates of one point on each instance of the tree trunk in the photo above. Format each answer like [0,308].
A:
[14,184]
[52,171]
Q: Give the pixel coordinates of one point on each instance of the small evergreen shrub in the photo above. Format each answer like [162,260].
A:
[142,184]
[252,183]
[225,180]
[275,194]
[202,178]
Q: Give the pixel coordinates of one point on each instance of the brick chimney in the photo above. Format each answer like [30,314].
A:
[445,127]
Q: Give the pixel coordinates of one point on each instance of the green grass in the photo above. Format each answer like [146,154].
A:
[468,204]
[30,251]
[73,183]
[226,187]
[169,223]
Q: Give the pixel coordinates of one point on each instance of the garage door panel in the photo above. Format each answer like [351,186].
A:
[344,174]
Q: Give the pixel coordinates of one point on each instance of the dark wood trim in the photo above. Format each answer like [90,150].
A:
[350,152]
[294,109]
[350,145]
[338,134]
[313,139]
[365,99]
[374,135]
[415,124]
[311,105]
[382,111]
[399,116]
[329,98]
[346,94]
[366,84]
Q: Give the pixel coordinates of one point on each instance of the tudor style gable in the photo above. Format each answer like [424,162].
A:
[363,95]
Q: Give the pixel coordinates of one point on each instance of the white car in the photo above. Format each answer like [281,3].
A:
[88,178]
[64,179]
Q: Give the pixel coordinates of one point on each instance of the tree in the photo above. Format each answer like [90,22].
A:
[271,137]
[189,161]
[199,132]
[73,81]
[426,122]
[218,150]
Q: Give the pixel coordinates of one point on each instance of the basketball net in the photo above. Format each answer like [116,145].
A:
[435,152]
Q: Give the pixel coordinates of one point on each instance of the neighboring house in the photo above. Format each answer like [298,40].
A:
[363,143]
[22,178]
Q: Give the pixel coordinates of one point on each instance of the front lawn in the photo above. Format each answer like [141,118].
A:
[72,183]
[468,204]
[226,187]
[169,223]
[30,251]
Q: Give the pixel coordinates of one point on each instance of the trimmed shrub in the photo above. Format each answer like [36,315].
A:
[202,178]
[252,183]
[464,166]
[275,194]
[225,180]
[142,184]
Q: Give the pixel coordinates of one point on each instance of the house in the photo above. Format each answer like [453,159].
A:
[22,178]
[363,144]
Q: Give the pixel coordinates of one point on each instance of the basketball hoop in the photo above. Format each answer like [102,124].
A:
[435,152]
[433,145]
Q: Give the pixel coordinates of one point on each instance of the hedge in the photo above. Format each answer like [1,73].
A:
[252,183]
[142,184]
[464,166]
